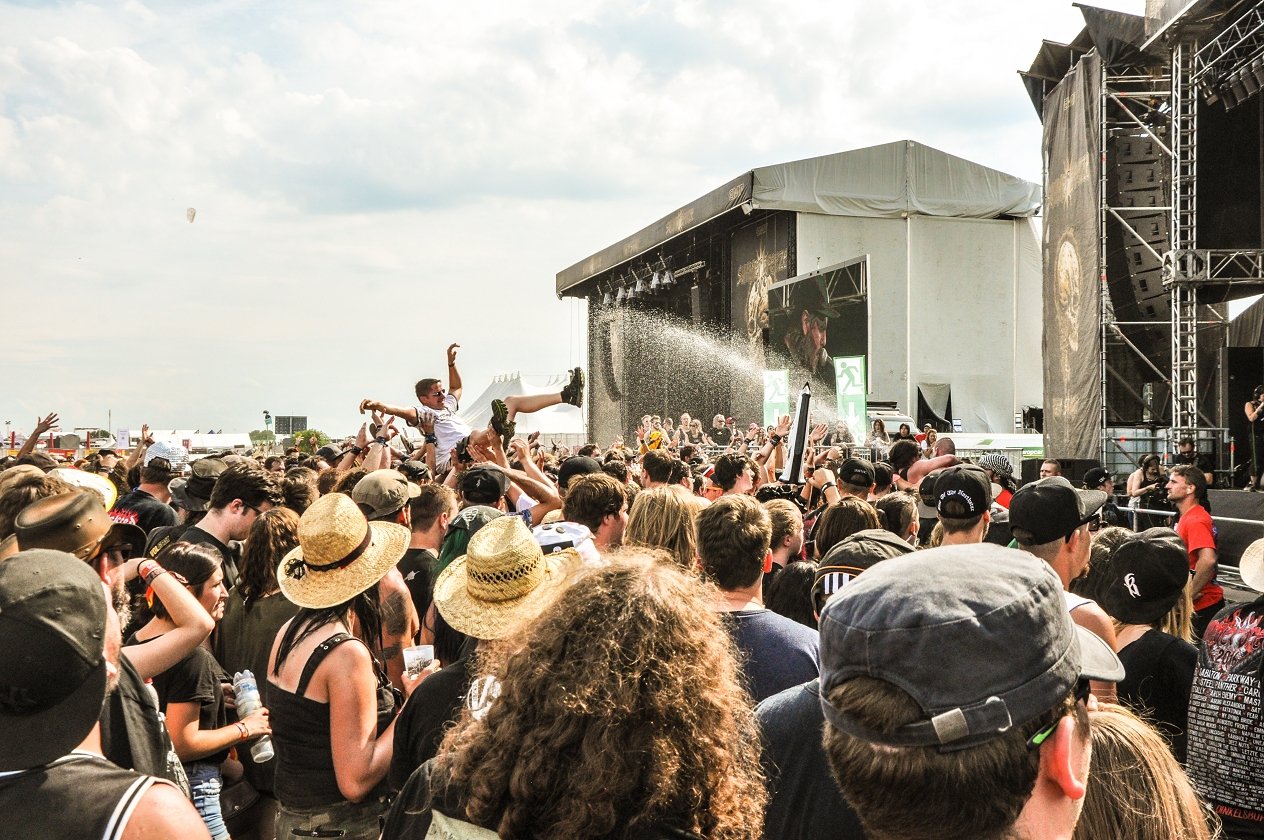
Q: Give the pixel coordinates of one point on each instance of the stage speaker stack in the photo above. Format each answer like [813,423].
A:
[1138,180]
[1137,185]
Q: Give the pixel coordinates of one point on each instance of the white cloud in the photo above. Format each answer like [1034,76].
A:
[373,181]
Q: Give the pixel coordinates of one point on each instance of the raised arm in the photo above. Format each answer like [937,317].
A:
[42,425]
[406,413]
[454,376]
[192,622]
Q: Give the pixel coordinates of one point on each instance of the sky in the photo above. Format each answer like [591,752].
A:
[375,180]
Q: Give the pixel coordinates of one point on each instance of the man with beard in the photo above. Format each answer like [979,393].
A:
[61,660]
[132,733]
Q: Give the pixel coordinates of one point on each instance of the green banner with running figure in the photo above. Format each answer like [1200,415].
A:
[852,389]
[776,395]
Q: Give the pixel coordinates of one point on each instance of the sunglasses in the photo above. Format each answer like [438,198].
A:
[1082,692]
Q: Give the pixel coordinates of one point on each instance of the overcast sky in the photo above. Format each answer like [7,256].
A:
[374,180]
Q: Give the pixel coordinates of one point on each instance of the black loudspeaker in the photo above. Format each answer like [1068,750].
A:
[1073,469]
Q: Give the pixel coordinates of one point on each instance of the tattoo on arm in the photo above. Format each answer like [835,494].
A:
[395,614]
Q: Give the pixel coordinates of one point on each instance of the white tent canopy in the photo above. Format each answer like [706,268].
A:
[893,179]
[555,420]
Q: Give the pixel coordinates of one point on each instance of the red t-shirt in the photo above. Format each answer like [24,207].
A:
[1198,532]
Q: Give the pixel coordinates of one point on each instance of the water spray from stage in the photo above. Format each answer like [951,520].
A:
[716,361]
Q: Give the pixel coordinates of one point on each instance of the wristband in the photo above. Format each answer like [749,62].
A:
[381,440]
[827,485]
[148,570]
[356,450]
[242,728]
[775,440]
[431,438]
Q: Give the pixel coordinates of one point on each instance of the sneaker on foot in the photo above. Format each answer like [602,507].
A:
[501,424]
[573,393]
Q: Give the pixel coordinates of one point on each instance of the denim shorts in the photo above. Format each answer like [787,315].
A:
[340,821]
[205,782]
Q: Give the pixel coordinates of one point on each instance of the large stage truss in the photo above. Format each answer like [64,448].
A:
[1150,96]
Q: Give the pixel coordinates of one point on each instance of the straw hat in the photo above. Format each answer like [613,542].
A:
[502,579]
[1251,566]
[340,553]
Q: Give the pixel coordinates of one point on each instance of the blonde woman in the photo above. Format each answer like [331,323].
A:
[1136,789]
[665,517]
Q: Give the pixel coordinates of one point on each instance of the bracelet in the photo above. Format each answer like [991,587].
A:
[356,450]
[431,438]
[827,485]
[245,732]
[775,440]
[149,570]
[381,440]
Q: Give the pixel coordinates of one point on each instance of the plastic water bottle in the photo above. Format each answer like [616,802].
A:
[248,703]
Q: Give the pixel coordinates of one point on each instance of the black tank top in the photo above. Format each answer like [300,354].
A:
[300,733]
[79,795]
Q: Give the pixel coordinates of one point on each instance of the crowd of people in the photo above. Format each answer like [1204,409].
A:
[480,636]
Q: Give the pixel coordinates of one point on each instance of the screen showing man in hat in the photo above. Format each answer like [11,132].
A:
[814,319]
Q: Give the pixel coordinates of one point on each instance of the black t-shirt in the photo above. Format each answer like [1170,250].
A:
[230,553]
[195,679]
[779,652]
[417,567]
[143,510]
[432,708]
[805,803]
[1225,727]
[412,812]
[722,436]
[132,734]
[1159,672]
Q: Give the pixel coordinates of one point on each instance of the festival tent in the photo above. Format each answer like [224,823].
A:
[563,423]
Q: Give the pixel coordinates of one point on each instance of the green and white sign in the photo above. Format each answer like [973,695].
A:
[776,395]
[850,382]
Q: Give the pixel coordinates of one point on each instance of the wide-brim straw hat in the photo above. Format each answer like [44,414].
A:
[502,580]
[1251,566]
[339,555]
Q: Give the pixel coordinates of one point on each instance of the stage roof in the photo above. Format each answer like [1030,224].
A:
[892,180]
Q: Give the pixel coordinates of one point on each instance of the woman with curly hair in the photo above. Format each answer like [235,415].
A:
[620,714]
[664,517]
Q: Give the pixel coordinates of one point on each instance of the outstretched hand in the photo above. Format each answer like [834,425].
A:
[452,348]
[783,426]
[43,424]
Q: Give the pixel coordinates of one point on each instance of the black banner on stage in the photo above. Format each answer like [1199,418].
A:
[1072,317]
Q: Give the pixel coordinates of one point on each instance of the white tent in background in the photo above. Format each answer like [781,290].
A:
[563,423]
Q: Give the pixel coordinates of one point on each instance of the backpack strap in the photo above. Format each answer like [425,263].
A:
[318,656]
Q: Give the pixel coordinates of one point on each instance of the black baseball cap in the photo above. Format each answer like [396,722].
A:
[1146,575]
[857,472]
[483,485]
[1050,509]
[962,492]
[1096,477]
[978,635]
[851,556]
[573,466]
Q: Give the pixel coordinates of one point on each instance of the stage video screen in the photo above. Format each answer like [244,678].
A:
[815,317]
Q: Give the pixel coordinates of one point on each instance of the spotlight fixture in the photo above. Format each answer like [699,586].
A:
[606,299]
[621,296]
[669,279]
[656,281]
[640,289]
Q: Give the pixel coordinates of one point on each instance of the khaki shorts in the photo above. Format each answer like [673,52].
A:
[341,821]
